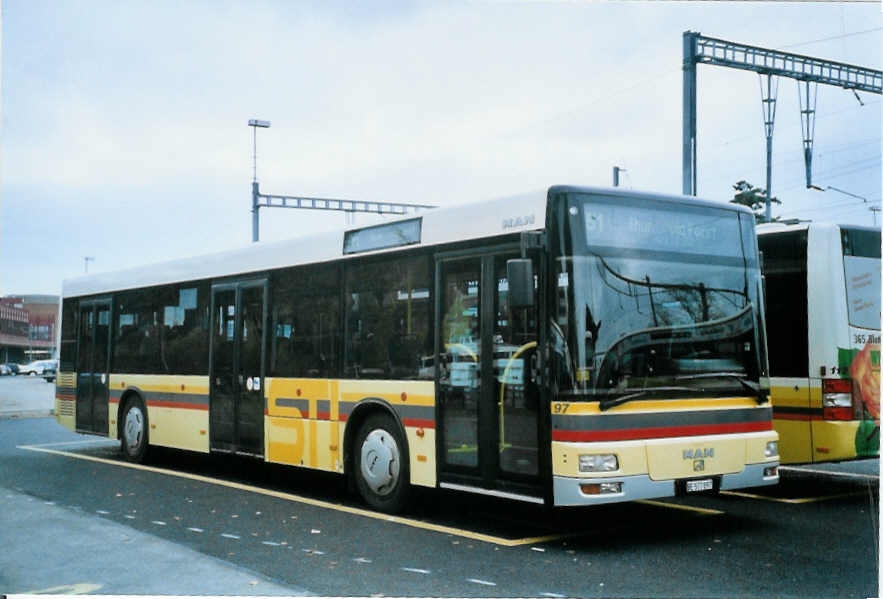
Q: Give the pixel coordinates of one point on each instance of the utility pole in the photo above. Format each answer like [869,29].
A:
[689,119]
[262,200]
[699,49]
[768,100]
[616,171]
[88,259]
[808,123]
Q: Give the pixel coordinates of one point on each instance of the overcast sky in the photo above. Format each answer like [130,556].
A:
[125,137]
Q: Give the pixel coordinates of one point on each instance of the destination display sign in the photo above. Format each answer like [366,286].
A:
[646,228]
[406,232]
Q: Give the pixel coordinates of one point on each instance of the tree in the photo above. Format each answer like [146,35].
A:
[752,197]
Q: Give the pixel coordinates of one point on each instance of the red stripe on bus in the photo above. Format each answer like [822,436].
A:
[66,397]
[661,432]
[419,423]
[177,404]
[799,417]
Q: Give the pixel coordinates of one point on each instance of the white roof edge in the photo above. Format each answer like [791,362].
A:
[500,216]
[489,218]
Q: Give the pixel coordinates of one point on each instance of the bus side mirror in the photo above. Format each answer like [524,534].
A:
[519,272]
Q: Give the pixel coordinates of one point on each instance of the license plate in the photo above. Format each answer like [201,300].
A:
[695,486]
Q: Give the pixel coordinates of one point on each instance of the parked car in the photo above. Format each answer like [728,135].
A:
[4,370]
[34,367]
[13,368]
[49,371]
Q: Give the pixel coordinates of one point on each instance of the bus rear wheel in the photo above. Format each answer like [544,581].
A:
[380,460]
[133,438]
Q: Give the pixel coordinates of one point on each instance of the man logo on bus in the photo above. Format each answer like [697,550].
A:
[518,221]
[698,453]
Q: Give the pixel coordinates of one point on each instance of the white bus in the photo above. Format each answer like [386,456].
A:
[823,319]
[570,347]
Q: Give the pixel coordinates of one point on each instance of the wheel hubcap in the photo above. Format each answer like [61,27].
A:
[134,428]
[380,462]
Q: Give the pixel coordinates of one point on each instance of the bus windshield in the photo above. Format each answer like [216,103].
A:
[655,295]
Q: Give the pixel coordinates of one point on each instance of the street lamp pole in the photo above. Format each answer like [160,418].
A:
[255,191]
[86,260]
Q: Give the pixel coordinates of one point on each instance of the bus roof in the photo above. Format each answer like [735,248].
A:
[774,227]
[462,222]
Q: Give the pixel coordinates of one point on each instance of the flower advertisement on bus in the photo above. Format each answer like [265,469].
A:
[861,362]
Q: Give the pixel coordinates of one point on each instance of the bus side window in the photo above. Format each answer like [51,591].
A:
[304,331]
[388,318]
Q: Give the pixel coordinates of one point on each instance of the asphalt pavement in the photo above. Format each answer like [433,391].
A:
[64,549]
[55,549]
[74,518]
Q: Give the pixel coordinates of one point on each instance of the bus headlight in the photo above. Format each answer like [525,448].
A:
[606,462]
[772,449]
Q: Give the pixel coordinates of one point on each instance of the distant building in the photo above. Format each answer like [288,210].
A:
[28,327]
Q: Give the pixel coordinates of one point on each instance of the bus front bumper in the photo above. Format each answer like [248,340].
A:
[568,491]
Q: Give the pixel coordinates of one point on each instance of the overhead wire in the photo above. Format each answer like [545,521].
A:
[835,37]
[856,202]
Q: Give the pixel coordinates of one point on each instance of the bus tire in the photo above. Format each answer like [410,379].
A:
[134,431]
[380,460]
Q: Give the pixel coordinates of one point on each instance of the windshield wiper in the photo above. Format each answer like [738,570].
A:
[761,395]
[606,404]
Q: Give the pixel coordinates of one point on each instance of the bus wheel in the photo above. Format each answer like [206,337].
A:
[134,434]
[381,464]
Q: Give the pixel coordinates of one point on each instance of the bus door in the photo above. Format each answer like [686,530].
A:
[236,402]
[487,397]
[93,366]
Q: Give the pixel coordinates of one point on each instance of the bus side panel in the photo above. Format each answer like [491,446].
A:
[66,399]
[414,404]
[841,440]
[307,418]
[792,418]
[833,345]
[828,317]
[290,424]
[177,408]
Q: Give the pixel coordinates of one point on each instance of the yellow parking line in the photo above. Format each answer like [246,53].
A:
[796,501]
[314,502]
[675,506]
[352,510]
[801,469]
